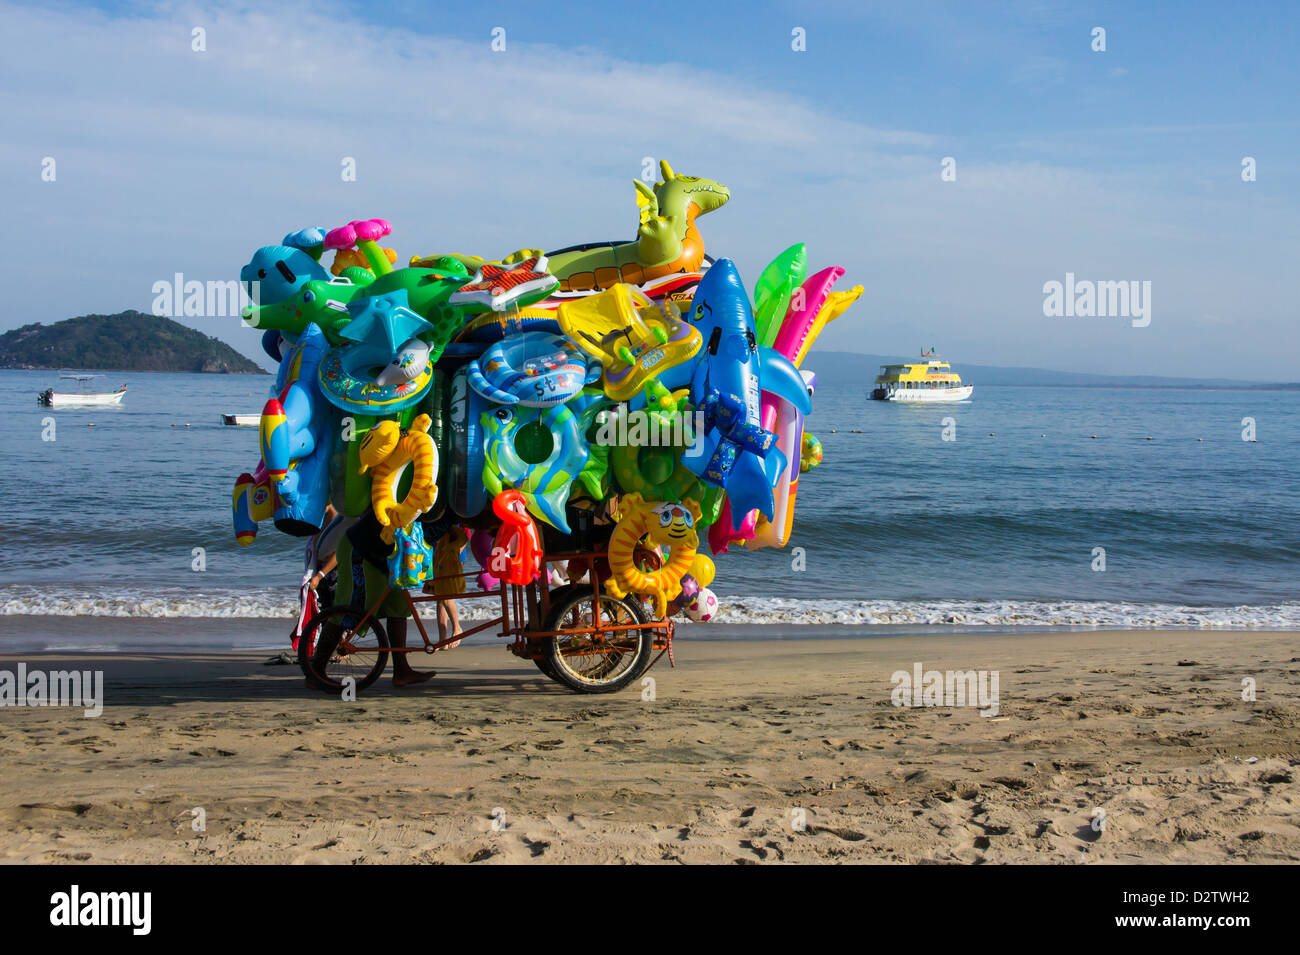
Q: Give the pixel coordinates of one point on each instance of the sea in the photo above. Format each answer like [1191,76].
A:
[1032,508]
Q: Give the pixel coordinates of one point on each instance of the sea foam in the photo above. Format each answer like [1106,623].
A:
[754,611]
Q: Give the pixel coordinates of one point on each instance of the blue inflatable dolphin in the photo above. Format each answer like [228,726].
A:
[727,382]
[295,437]
[279,271]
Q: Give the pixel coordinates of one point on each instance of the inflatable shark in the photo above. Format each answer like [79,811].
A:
[736,453]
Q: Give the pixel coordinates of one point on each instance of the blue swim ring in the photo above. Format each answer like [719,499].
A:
[360,394]
[494,326]
[544,484]
[535,370]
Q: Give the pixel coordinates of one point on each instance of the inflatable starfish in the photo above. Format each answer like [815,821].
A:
[499,287]
[383,324]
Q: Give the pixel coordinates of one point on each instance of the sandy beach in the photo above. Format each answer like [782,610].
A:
[1107,747]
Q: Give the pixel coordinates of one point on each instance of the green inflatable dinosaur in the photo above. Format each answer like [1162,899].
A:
[667,241]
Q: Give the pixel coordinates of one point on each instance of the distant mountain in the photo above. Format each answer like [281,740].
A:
[850,368]
[127,341]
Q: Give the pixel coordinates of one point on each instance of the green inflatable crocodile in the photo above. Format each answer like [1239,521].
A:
[326,302]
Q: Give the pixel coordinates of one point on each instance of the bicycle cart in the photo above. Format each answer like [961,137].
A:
[577,634]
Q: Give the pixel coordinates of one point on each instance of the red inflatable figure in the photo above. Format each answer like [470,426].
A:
[517,553]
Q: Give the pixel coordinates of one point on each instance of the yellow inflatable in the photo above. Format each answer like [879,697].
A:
[356,259]
[387,450]
[669,525]
[703,570]
[634,338]
[835,305]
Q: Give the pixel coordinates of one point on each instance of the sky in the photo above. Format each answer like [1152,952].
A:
[1122,164]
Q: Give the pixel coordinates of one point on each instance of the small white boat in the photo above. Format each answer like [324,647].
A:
[80,399]
[242,420]
[927,381]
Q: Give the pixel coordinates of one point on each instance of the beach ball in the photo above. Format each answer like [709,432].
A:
[704,607]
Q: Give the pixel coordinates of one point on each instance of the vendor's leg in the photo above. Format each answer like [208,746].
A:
[394,610]
[403,673]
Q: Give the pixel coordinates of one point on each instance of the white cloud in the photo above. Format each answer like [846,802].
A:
[171,160]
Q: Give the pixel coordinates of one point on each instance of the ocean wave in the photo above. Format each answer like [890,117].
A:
[68,602]
[753,611]
[770,611]
[264,604]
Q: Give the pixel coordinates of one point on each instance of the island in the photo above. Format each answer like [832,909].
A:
[127,341]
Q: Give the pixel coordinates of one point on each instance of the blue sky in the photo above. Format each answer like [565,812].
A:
[1115,165]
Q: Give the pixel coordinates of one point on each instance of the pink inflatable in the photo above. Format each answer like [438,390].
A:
[798,324]
[480,545]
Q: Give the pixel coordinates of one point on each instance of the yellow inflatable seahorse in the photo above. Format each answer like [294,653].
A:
[388,450]
[669,525]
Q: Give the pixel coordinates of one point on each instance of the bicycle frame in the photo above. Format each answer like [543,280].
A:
[523,608]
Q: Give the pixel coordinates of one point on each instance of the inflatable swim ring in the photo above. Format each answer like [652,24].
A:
[646,464]
[381,348]
[669,525]
[387,450]
[544,483]
[494,326]
[360,394]
[535,369]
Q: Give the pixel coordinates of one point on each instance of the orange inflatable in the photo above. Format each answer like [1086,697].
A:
[517,551]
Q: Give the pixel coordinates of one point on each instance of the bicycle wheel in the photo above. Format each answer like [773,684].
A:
[331,649]
[544,665]
[597,662]
[558,595]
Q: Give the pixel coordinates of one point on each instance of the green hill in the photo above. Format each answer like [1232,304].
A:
[127,341]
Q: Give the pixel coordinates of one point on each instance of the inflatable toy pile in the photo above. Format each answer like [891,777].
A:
[629,397]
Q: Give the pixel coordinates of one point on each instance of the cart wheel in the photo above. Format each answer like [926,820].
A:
[557,596]
[596,662]
[331,649]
